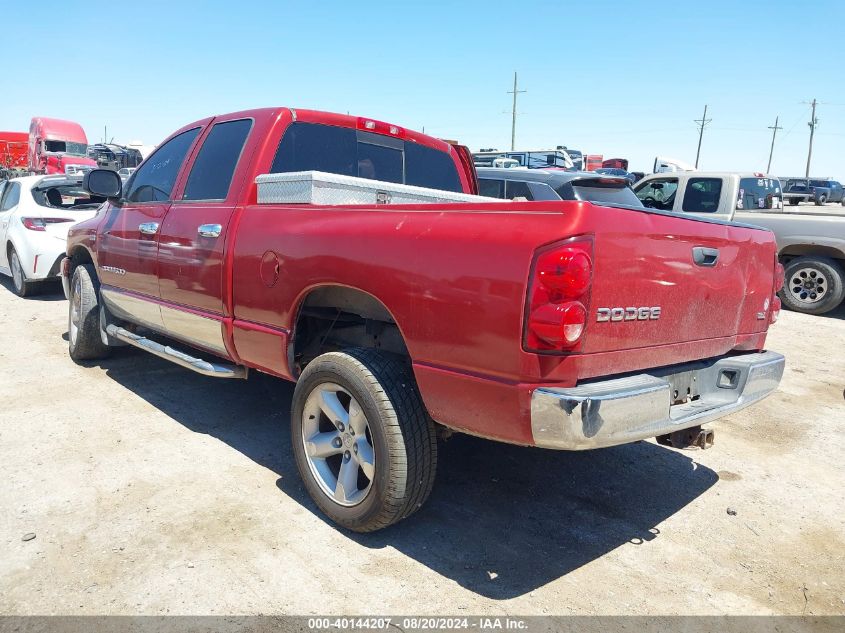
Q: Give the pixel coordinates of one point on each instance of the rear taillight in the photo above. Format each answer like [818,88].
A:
[775,310]
[778,284]
[779,276]
[40,224]
[558,297]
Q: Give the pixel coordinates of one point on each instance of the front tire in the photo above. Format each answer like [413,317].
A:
[22,287]
[813,285]
[363,442]
[84,340]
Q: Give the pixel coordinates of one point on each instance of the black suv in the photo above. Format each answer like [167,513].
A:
[540,184]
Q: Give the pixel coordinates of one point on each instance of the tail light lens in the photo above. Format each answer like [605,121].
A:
[776,303]
[40,224]
[558,296]
[775,310]
[779,276]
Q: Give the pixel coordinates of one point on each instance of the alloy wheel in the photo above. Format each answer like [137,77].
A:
[338,444]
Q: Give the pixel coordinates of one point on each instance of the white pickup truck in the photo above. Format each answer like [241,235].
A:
[811,245]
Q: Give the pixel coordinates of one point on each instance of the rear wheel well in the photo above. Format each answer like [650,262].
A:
[332,318]
[803,250]
[78,257]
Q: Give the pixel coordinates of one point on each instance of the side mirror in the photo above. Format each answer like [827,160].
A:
[104,183]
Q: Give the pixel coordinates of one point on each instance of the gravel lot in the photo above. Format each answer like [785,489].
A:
[152,490]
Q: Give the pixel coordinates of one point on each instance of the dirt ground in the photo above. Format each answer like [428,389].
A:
[152,490]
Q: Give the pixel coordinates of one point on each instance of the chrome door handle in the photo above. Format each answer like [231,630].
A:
[148,228]
[209,230]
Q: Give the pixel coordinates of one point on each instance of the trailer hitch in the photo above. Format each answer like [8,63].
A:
[685,438]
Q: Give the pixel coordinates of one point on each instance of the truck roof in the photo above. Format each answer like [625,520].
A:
[60,129]
[14,137]
[332,118]
[712,174]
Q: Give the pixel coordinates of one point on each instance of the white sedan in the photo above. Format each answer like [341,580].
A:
[35,215]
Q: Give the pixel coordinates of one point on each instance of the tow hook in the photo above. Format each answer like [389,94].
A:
[694,436]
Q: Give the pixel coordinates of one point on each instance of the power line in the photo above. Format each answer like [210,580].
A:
[514,92]
[702,123]
[774,128]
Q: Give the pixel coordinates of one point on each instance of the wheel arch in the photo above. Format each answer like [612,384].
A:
[788,253]
[79,255]
[24,254]
[319,309]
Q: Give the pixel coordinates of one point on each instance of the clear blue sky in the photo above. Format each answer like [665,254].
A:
[613,78]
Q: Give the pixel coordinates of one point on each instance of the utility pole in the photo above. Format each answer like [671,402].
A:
[774,128]
[702,123]
[812,123]
[514,92]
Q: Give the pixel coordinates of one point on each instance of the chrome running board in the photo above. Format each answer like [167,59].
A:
[216,370]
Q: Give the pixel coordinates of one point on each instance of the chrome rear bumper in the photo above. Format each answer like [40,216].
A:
[622,410]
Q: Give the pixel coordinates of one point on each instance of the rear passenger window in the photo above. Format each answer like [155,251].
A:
[154,179]
[211,174]
[348,152]
[517,189]
[542,191]
[702,195]
[491,188]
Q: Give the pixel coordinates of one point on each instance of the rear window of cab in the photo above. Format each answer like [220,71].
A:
[350,152]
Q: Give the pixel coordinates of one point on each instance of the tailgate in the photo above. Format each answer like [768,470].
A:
[648,260]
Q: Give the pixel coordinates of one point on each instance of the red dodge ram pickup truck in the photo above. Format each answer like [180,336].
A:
[559,324]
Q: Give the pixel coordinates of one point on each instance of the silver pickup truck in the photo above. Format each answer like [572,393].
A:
[811,244]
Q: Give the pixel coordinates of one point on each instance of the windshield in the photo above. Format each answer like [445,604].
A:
[66,147]
[65,196]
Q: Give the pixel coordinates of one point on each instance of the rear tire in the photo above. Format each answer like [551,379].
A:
[84,340]
[381,426]
[22,287]
[813,285]
[821,200]
[794,202]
